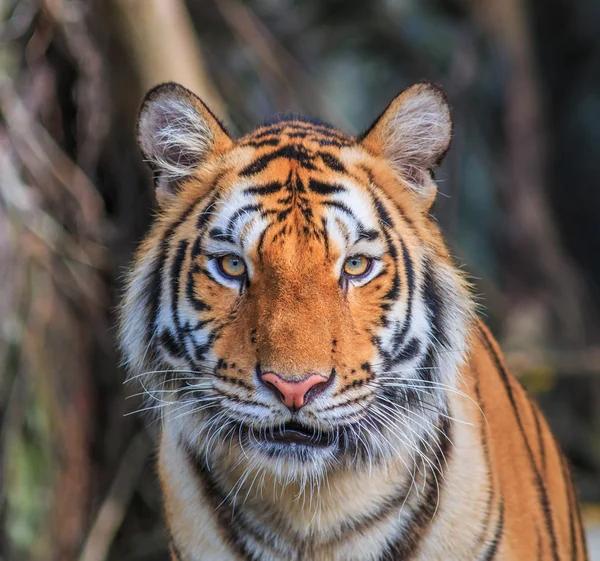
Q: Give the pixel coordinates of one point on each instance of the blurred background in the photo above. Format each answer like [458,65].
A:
[519,203]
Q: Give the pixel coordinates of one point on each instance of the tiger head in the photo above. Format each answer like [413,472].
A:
[294,301]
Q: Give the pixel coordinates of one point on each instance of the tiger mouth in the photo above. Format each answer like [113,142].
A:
[294,434]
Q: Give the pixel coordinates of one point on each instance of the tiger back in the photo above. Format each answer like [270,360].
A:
[325,389]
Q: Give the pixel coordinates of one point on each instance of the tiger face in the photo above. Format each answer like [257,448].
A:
[294,306]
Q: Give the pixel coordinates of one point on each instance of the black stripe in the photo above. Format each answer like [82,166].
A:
[572,506]
[409,351]
[292,152]
[261,241]
[429,364]
[235,523]
[200,352]
[202,225]
[287,127]
[324,188]
[298,134]
[282,215]
[394,291]
[294,184]
[375,185]
[392,294]
[175,274]
[434,302]
[332,162]
[201,324]
[410,285]
[575,522]
[271,131]
[343,208]
[267,189]
[535,412]
[155,287]
[324,141]
[323,130]
[216,234]
[176,267]
[308,136]
[581,531]
[325,235]
[172,346]
[542,491]
[403,547]
[370,235]
[382,213]
[265,142]
[241,213]
[227,521]
[492,548]
[204,216]
[312,126]
[486,455]
[198,304]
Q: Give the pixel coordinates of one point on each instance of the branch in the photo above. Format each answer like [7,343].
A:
[165,48]
[114,508]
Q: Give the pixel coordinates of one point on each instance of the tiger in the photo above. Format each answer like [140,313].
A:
[325,387]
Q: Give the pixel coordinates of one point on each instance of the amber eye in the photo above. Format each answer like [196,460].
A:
[357,265]
[232,266]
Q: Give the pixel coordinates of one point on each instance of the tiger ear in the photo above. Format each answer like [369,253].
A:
[176,133]
[413,134]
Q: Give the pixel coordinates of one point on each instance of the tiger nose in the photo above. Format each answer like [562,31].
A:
[294,393]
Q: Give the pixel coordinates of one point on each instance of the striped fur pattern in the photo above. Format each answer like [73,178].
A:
[429,449]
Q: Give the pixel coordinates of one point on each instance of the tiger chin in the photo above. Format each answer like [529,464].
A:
[326,391]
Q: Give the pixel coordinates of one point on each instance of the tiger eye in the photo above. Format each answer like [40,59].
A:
[356,265]
[232,265]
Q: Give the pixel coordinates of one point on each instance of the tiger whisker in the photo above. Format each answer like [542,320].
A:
[167,371]
[399,382]
[382,417]
[426,405]
[388,403]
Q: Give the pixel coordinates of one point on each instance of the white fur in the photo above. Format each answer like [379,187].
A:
[174,136]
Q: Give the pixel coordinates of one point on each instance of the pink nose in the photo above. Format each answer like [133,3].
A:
[294,394]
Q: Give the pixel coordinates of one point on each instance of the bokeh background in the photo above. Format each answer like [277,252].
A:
[519,202]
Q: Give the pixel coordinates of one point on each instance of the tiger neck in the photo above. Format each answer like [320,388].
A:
[323,515]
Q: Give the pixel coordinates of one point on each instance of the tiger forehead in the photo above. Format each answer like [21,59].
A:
[296,131]
[293,192]
[295,181]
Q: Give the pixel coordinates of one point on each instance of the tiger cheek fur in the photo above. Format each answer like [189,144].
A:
[325,389]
